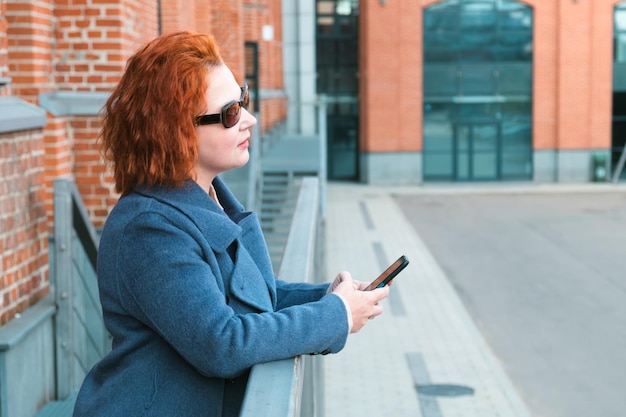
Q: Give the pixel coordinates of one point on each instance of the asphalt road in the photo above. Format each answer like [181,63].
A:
[544,278]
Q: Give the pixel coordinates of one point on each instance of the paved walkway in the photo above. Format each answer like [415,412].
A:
[424,356]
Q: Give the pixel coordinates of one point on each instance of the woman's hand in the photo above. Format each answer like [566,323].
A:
[346,275]
[363,305]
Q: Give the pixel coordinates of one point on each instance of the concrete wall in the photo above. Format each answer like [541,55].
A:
[300,73]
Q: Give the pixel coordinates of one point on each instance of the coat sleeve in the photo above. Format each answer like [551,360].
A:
[162,278]
[289,294]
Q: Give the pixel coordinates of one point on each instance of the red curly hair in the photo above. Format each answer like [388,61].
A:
[148,128]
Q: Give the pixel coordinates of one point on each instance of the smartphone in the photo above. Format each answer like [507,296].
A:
[389,273]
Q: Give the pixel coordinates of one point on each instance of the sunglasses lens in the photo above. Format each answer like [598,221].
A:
[231,115]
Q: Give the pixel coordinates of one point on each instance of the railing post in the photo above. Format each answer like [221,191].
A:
[63,291]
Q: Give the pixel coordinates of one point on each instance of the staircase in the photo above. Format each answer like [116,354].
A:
[282,168]
[278,195]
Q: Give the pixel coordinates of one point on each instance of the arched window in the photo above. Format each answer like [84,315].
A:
[477,90]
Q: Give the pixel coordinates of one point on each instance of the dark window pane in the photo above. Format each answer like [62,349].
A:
[325,52]
[346,81]
[348,52]
[440,80]
[619,132]
[441,46]
[441,21]
[516,136]
[515,20]
[437,128]
[347,26]
[514,79]
[619,103]
[325,25]
[439,167]
[477,79]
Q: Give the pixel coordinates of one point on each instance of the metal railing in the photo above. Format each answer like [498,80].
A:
[81,338]
[294,390]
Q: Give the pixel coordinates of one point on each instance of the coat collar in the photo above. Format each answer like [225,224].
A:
[200,208]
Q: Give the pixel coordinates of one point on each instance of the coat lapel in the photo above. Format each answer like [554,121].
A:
[222,228]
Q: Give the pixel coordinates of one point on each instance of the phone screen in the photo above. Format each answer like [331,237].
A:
[389,273]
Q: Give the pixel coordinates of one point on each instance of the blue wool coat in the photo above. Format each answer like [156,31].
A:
[191,301]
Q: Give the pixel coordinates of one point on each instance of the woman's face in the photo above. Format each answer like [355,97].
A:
[220,148]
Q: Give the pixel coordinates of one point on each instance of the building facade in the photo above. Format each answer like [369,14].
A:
[463,90]
[416,92]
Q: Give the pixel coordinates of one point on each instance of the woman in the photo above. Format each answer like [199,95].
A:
[185,279]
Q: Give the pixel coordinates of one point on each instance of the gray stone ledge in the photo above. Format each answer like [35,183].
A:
[73,103]
[17,114]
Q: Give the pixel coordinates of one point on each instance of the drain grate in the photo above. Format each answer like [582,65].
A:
[428,393]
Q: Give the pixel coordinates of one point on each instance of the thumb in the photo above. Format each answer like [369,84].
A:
[342,276]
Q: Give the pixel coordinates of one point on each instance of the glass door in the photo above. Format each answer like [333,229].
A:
[476,151]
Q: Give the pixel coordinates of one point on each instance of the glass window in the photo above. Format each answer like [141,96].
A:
[325,6]
[478,87]
[347,26]
[325,25]
[337,47]
[477,79]
[514,79]
[620,32]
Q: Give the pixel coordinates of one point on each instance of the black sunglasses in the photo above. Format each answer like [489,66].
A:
[230,114]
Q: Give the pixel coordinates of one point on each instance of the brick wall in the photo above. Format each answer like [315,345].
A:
[4,44]
[390,76]
[23,229]
[93,42]
[79,46]
[30,41]
[92,45]
[24,57]
[257,15]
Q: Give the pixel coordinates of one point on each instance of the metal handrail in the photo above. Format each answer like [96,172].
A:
[289,387]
